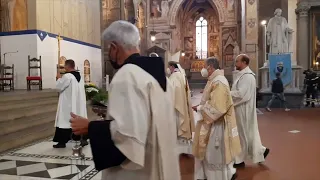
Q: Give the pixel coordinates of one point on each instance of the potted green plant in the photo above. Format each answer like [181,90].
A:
[100,99]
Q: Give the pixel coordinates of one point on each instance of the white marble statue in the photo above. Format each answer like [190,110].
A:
[278,34]
[165,8]
[230,5]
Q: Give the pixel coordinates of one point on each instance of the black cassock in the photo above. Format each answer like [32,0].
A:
[105,153]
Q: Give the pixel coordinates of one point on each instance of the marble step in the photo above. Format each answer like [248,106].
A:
[18,96]
[19,124]
[26,136]
[10,106]
[27,111]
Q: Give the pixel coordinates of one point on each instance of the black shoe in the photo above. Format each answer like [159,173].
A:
[84,143]
[266,152]
[59,145]
[313,105]
[234,177]
[241,165]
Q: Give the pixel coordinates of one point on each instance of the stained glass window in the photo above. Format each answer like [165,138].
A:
[201,38]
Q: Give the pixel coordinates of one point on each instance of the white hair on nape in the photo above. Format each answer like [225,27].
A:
[123,33]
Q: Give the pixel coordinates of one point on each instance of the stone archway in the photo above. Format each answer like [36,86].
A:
[217,4]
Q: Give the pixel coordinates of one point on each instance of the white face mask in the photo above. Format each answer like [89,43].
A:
[168,71]
[204,72]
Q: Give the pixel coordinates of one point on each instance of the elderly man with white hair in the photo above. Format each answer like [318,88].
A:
[137,141]
[216,142]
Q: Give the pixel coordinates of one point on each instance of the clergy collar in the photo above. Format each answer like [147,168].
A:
[246,70]
[131,57]
[215,74]
[176,70]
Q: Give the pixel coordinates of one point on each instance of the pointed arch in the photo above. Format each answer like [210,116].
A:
[87,71]
[216,4]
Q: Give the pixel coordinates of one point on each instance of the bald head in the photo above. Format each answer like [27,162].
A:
[242,61]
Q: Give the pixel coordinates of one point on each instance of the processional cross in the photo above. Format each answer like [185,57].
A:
[59,41]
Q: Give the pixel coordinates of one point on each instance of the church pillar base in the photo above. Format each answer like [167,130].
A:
[294,95]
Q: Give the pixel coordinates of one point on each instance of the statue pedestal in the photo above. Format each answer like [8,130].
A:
[294,95]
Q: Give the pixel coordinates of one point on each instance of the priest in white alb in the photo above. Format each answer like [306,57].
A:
[137,140]
[72,98]
[216,142]
[243,93]
[183,108]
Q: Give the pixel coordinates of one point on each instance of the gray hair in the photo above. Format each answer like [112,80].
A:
[212,61]
[123,33]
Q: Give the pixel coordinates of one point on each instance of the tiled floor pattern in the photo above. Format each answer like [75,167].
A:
[40,161]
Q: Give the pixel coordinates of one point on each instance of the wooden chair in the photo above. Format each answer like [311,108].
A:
[34,64]
[7,79]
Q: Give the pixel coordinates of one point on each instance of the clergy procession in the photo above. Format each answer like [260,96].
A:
[151,121]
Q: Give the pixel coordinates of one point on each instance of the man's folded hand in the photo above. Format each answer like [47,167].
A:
[79,124]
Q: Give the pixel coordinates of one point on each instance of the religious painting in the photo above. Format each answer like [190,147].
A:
[229,4]
[229,56]
[62,60]
[15,15]
[227,33]
[160,8]
[316,38]
[188,43]
[87,72]
[197,65]
[129,13]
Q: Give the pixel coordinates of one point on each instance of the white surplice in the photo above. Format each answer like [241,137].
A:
[72,98]
[143,127]
[243,93]
[183,112]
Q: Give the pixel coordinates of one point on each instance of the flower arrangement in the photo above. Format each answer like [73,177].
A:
[95,95]
[91,91]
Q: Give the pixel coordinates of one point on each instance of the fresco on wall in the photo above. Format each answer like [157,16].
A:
[316,37]
[160,8]
[14,14]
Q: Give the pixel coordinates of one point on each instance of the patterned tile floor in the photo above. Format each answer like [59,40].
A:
[39,161]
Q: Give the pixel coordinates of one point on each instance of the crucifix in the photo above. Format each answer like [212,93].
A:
[59,41]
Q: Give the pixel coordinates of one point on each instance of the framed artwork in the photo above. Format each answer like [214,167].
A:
[197,65]
[315,38]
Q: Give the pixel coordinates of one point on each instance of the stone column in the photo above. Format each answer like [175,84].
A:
[303,38]
[302,35]
[251,35]
[292,22]
[111,11]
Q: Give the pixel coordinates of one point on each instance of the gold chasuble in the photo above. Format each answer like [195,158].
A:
[216,108]
[182,104]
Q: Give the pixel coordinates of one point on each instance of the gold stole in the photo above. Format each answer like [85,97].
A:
[218,107]
[183,105]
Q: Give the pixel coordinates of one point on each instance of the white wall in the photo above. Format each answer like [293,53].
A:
[48,50]
[25,45]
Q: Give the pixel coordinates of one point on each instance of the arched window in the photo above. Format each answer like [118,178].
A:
[87,73]
[201,38]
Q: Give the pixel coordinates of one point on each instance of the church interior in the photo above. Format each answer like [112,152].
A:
[37,37]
